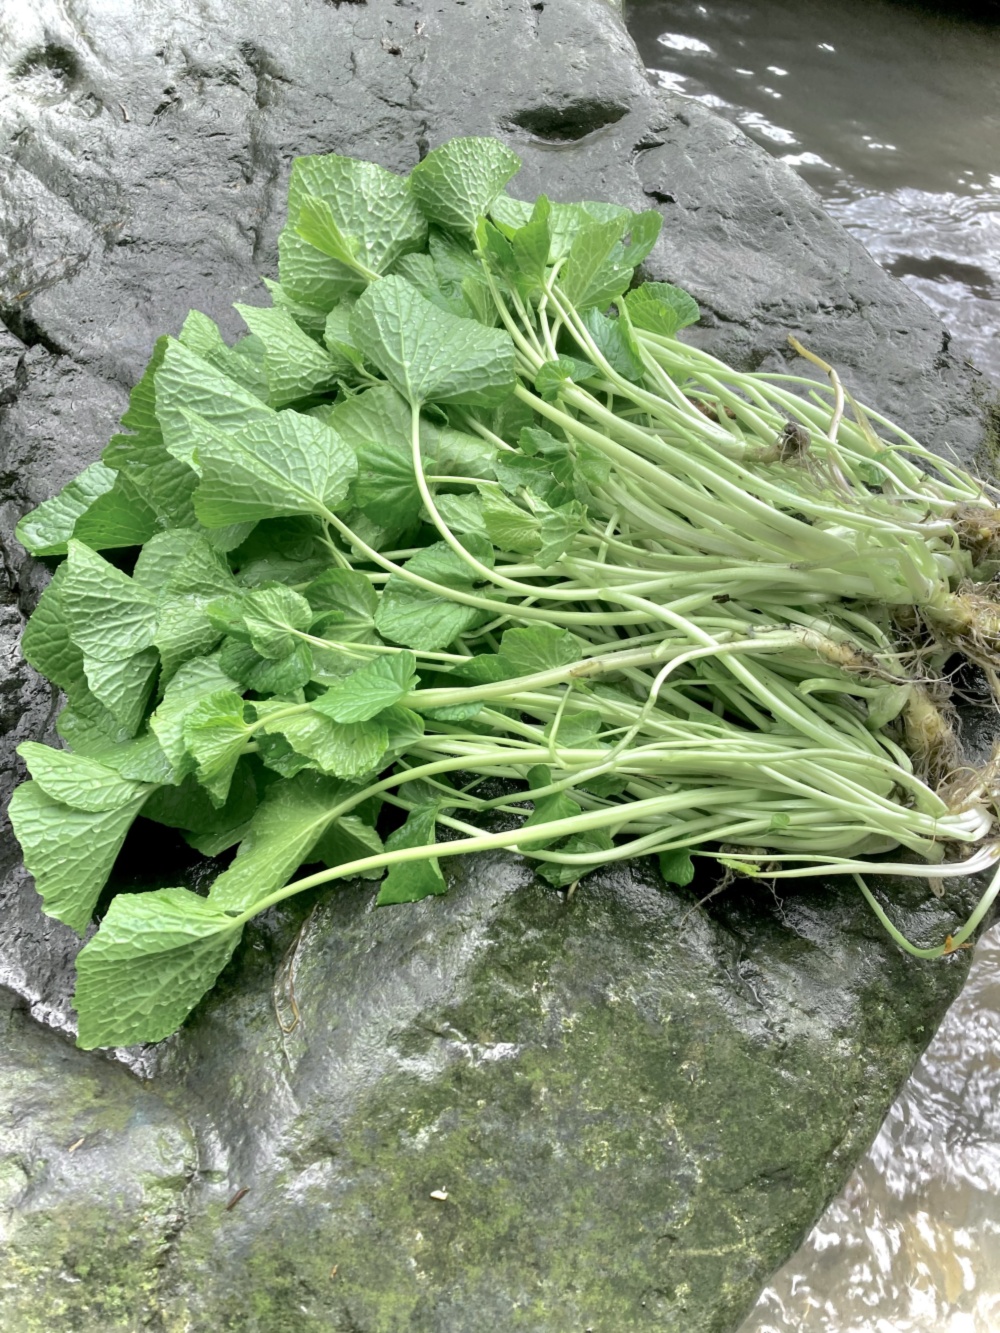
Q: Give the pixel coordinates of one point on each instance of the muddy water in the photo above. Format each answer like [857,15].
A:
[893,114]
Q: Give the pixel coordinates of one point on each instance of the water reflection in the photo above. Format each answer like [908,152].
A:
[913,1243]
[893,115]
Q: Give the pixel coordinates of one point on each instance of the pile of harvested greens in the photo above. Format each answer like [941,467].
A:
[460,508]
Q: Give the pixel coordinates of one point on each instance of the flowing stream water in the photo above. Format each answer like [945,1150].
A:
[891,111]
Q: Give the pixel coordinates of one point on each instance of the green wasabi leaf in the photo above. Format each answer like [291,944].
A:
[318,226]
[540,648]
[605,784]
[615,341]
[659,307]
[292,818]
[484,669]
[215,736]
[112,621]
[182,561]
[377,425]
[281,550]
[310,318]
[273,618]
[580,844]
[288,464]
[558,528]
[109,615]
[428,355]
[553,376]
[295,365]
[644,231]
[374,214]
[267,675]
[46,643]
[347,602]
[410,881]
[577,728]
[184,631]
[215,843]
[193,682]
[456,183]
[339,749]
[455,712]
[349,839]
[515,472]
[557,805]
[455,262]
[366,201]
[79,782]
[463,514]
[676,867]
[577,468]
[120,517]
[419,271]
[419,618]
[124,686]
[140,759]
[202,336]
[565,221]
[69,852]
[189,391]
[365,692]
[596,271]
[508,525]
[47,529]
[404,727]
[164,483]
[154,957]
[530,246]
[191,807]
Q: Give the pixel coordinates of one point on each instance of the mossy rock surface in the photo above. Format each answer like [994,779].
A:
[635,1105]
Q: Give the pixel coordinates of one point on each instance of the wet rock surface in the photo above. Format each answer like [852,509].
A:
[636,1106]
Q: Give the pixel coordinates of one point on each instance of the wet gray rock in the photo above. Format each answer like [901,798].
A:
[94,1174]
[635,1105]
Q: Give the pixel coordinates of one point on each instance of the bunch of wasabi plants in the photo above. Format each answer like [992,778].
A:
[461,507]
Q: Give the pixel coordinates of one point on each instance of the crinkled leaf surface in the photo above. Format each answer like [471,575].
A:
[340,749]
[202,335]
[409,881]
[76,781]
[295,365]
[188,386]
[293,817]
[660,307]
[287,464]
[428,355]
[70,852]
[539,648]
[192,683]
[422,618]
[120,517]
[367,691]
[164,482]
[47,529]
[347,602]
[457,182]
[109,615]
[349,839]
[215,735]
[153,958]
